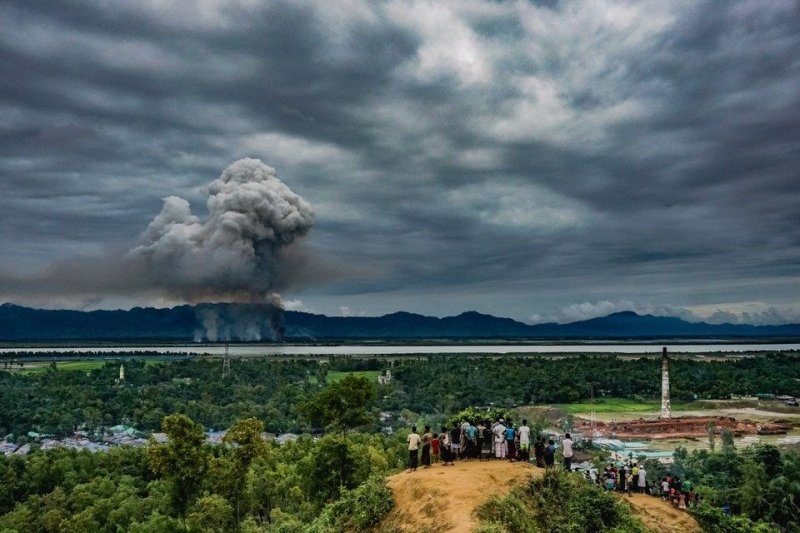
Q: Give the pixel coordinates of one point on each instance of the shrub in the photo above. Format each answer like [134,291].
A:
[560,502]
[358,509]
[713,520]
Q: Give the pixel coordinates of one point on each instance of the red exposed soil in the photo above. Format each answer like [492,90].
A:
[686,427]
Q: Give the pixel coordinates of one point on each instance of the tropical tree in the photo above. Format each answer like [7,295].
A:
[182,461]
[341,405]
[753,490]
[334,467]
[245,444]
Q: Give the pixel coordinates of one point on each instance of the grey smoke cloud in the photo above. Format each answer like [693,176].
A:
[245,322]
[235,254]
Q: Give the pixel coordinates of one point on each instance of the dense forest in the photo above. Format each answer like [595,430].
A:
[245,484]
[444,383]
[57,402]
[336,482]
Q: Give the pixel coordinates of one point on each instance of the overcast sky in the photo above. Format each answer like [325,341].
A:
[551,160]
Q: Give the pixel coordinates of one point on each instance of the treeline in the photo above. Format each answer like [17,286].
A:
[59,401]
[450,383]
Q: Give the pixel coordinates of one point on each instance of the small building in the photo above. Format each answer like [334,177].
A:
[386,378]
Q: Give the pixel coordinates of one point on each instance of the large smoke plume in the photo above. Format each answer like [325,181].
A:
[239,253]
[235,254]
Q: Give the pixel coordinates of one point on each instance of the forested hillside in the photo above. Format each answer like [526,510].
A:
[333,483]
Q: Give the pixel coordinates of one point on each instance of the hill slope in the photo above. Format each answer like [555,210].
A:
[443,498]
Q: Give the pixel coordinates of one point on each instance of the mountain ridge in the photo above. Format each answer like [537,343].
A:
[258,322]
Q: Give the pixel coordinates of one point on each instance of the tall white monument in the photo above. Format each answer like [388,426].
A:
[666,409]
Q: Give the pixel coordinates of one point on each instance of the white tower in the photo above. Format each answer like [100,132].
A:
[121,373]
[666,409]
[226,362]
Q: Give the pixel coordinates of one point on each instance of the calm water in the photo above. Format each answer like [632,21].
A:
[412,349]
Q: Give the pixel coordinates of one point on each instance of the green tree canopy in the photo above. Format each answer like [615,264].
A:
[342,405]
[182,461]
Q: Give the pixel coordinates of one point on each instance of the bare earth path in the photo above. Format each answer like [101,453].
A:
[660,516]
[443,498]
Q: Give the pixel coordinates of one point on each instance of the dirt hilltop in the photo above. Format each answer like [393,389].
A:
[443,498]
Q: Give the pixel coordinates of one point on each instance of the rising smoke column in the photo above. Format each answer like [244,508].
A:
[235,254]
[243,251]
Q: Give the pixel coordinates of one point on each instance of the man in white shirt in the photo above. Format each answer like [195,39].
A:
[524,433]
[566,445]
[642,479]
[499,439]
[413,448]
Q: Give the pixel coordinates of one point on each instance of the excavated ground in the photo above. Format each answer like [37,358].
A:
[687,427]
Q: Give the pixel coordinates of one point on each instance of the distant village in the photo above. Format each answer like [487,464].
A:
[104,440]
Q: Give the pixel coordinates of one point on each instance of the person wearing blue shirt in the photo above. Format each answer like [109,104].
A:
[550,454]
[511,436]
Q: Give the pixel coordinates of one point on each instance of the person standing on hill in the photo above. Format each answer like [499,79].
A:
[622,478]
[479,438]
[664,489]
[427,437]
[642,479]
[524,435]
[568,453]
[550,454]
[444,445]
[511,435]
[487,438]
[471,438]
[413,448]
[455,441]
[499,439]
[538,452]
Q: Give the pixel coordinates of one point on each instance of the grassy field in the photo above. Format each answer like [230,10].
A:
[614,405]
[85,365]
[371,375]
[39,367]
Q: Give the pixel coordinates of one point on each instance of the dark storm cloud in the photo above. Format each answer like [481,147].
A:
[541,159]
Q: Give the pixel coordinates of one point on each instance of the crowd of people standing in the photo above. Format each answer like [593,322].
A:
[500,439]
[632,478]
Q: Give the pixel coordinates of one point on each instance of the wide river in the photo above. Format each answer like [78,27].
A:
[240,350]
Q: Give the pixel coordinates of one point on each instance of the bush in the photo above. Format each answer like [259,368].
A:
[358,509]
[713,520]
[558,501]
[475,415]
